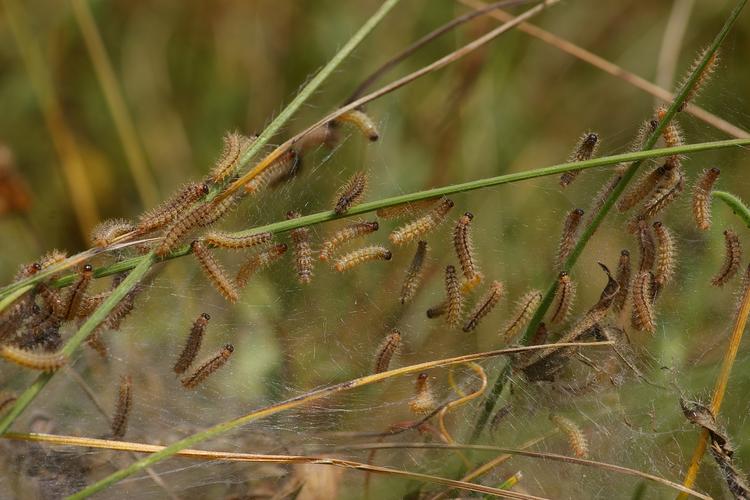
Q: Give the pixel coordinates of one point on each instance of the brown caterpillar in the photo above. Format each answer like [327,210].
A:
[208,367]
[703,77]
[484,306]
[106,232]
[386,351]
[645,184]
[585,149]
[438,310]
[214,210]
[122,408]
[78,292]
[524,310]
[280,170]
[565,294]
[732,257]
[351,193]
[643,310]
[95,342]
[672,135]
[423,401]
[259,261]
[215,272]
[646,246]
[173,207]
[303,261]
[568,237]
[357,257]
[364,123]
[665,193]
[540,335]
[666,256]
[597,202]
[42,361]
[424,224]
[228,241]
[193,344]
[414,273]
[345,235]
[181,226]
[702,197]
[454,298]
[234,144]
[623,279]
[464,248]
[90,303]
[406,209]
[576,439]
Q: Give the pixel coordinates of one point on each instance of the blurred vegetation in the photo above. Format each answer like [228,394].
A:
[189,71]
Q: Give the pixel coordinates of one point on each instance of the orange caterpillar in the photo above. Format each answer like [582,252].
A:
[645,184]
[465,249]
[259,261]
[525,309]
[703,77]
[623,279]
[387,350]
[303,261]
[485,305]
[665,193]
[419,227]
[280,170]
[414,273]
[42,361]
[173,207]
[351,192]
[585,149]
[106,232]
[208,367]
[666,256]
[565,294]
[193,344]
[732,257]
[454,299]
[575,436]
[215,272]
[423,401]
[363,122]
[568,237]
[702,197]
[405,209]
[122,409]
[357,257]
[345,235]
[234,144]
[643,310]
[229,241]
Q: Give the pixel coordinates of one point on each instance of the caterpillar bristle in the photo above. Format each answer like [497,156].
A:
[462,243]
[484,306]
[173,207]
[702,197]
[192,345]
[345,235]
[643,310]
[234,144]
[388,348]
[576,438]
[122,408]
[215,272]
[360,256]
[261,260]
[641,188]
[303,261]
[703,78]
[208,367]
[666,257]
[732,257]
[424,400]
[414,274]
[422,225]
[585,150]
[524,310]
[351,192]
[229,241]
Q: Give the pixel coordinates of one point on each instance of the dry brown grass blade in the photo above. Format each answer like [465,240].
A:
[612,69]
[54,439]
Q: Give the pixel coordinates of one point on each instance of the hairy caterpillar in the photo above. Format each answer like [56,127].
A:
[524,310]
[643,310]
[665,193]
[540,335]
[208,367]
[193,344]
[234,144]
[732,256]
[229,241]
[703,77]
[78,292]
[646,246]
[484,306]
[95,342]
[623,279]
[565,294]
[215,272]
[645,184]
[585,149]
[406,209]
[597,202]
[303,261]
[414,273]
[42,361]
[90,303]
[357,257]
[280,170]
[122,408]
[388,348]
[454,299]
[666,255]
[464,248]
[345,235]
[423,224]
[214,210]
[702,197]
[576,439]
[182,225]
[173,207]
[568,237]
[106,232]
[423,401]
[351,192]
[259,261]
[363,122]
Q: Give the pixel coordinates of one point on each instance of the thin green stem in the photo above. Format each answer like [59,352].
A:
[736,204]
[612,198]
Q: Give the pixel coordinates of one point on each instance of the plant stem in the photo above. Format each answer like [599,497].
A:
[736,204]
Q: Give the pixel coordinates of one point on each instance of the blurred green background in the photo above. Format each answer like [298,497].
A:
[189,71]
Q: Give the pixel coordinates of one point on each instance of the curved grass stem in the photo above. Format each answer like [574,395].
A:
[734,203]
